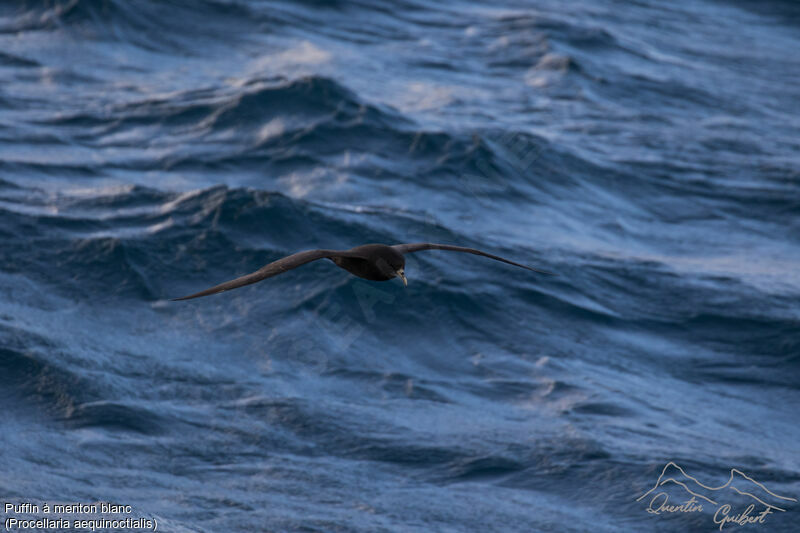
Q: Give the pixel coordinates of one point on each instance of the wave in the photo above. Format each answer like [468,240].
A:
[119,243]
[114,416]
[140,243]
[151,25]
[10,60]
[32,382]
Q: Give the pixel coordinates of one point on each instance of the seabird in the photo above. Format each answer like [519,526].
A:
[376,262]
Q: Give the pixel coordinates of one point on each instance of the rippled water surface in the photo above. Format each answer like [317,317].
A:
[647,152]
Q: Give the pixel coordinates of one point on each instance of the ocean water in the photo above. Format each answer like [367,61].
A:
[646,152]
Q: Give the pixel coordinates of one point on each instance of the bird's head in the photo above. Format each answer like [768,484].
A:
[398,267]
[393,265]
[402,275]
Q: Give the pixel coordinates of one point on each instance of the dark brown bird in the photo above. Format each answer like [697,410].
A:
[376,262]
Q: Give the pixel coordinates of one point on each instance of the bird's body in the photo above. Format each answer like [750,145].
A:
[375,262]
[369,261]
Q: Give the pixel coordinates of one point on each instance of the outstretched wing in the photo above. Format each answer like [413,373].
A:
[417,246]
[273,269]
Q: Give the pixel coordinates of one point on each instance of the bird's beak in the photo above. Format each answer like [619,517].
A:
[402,276]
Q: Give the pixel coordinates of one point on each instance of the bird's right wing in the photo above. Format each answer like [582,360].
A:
[273,269]
[418,246]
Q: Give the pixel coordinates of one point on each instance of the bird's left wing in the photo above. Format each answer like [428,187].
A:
[418,246]
[273,269]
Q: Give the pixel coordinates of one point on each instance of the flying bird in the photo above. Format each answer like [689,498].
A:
[376,262]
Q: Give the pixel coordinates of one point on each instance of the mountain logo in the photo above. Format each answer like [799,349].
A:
[740,490]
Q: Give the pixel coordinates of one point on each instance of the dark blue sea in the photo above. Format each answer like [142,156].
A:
[646,152]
